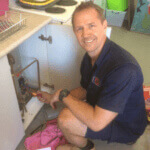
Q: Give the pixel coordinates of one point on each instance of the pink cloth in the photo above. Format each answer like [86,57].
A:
[51,136]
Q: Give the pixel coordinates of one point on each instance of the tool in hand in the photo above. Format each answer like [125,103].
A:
[36,94]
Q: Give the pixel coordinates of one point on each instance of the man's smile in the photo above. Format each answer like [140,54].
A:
[88,41]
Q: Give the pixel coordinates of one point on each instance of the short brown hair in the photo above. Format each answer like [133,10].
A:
[87,5]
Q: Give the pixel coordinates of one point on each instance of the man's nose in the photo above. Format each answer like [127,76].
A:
[86,32]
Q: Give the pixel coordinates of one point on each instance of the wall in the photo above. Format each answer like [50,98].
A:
[137,44]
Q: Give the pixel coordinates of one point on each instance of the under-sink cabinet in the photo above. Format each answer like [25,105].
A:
[59,57]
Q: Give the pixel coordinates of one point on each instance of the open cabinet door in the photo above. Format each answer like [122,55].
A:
[11,127]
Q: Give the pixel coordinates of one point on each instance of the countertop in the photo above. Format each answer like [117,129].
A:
[36,19]
[34,23]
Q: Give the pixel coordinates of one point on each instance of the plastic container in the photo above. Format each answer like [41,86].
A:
[4,6]
[120,5]
[101,3]
[146,89]
[115,18]
[149,9]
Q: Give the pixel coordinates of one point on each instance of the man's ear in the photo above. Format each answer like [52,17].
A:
[105,24]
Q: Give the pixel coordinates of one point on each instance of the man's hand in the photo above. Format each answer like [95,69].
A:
[49,98]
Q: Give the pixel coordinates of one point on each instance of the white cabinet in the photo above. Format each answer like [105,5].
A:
[64,57]
[11,127]
[60,60]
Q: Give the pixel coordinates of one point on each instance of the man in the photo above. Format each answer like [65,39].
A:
[111,82]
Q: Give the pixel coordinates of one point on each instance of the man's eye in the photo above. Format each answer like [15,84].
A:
[92,25]
[79,29]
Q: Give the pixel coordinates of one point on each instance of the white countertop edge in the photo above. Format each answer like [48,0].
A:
[26,36]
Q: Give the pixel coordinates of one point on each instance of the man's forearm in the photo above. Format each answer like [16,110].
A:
[96,118]
[79,93]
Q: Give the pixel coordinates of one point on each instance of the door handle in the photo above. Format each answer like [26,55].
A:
[49,39]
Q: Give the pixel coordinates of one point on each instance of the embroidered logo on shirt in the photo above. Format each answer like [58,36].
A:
[96,81]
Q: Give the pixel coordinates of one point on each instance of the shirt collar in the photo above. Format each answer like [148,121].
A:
[104,51]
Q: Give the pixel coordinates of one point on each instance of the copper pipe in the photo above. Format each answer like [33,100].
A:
[18,73]
[15,74]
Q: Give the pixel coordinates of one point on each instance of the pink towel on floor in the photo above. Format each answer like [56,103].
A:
[51,136]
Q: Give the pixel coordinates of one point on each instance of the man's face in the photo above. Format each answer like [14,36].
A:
[89,30]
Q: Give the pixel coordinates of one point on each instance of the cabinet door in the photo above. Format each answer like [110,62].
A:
[64,57]
[11,127]
[36,48]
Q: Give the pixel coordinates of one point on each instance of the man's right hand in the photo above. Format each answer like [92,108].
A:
[44,97]
[49,98]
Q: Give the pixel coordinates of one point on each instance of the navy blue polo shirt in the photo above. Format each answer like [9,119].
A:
[115,83]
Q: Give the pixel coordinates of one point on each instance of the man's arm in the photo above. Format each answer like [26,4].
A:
[95,118]
[79,93]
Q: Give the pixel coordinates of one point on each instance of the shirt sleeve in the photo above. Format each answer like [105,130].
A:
[117,88]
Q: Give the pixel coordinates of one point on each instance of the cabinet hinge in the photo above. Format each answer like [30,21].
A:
[49,39]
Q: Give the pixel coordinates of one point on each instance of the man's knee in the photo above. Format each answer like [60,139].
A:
[64,118]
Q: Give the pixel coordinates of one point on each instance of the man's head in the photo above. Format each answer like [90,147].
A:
[88,5]
[89,25]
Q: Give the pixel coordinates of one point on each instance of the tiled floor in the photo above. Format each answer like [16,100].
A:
[139,46]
